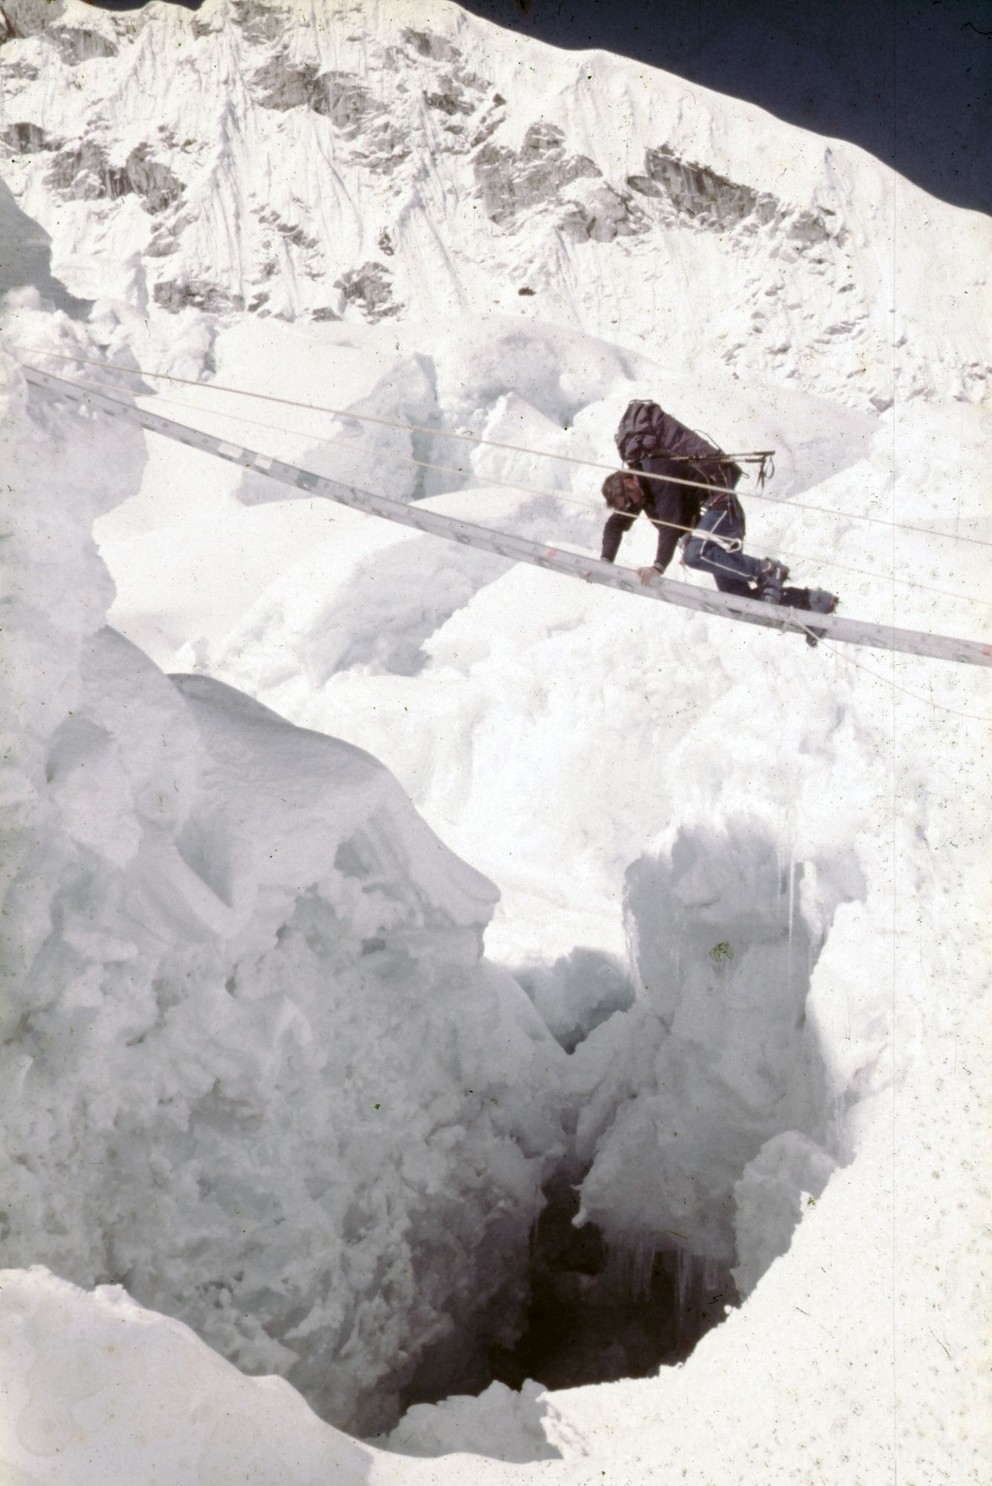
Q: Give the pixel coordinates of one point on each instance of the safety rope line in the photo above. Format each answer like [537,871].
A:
[586,505]
[490,443]
[521,549]
[543,491]
[849,660]
[289,402]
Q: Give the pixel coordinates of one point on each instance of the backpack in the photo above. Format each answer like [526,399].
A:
[646,431]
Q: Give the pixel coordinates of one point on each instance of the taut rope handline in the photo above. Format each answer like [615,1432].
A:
[465,472]
[477,439]
[521,549]
[437,433]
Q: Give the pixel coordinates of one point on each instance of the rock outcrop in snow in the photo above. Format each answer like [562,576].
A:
[395,166]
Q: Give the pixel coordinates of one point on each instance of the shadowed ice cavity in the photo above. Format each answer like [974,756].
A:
[696,1115]
[26,257]
[577,993]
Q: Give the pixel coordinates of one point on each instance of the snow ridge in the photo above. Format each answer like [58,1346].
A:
[373,168]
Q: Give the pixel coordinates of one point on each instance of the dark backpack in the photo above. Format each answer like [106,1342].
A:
[646,431]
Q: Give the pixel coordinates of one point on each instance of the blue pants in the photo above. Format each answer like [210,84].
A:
[733,570]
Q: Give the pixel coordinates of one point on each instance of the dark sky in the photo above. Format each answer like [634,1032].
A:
[908,80]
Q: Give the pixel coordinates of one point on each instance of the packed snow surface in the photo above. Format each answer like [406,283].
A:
[361,890]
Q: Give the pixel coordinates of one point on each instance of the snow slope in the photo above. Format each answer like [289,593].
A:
[275,1060]
[360,162]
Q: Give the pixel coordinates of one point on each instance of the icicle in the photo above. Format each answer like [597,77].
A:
[792,908]
[632,1259]
[685,1265]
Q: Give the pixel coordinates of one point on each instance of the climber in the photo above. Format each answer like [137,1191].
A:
[685,486]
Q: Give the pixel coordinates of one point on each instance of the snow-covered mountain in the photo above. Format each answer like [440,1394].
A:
[705,1041]
[389,160]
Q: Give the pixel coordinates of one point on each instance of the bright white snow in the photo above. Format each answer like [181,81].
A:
[279,1064]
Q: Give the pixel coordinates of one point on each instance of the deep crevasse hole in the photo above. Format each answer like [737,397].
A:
[699,1127]
[259,1074]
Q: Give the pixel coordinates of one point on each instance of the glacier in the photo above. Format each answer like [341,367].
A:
[390,931]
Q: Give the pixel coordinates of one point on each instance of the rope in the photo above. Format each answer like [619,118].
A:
[586,505]
[488,443]
[463,472]
[546,492]
[817,637]
[890,681]
[728,544]
[515,548]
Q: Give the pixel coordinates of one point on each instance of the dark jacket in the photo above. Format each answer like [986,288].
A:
[674,507]
[646,431]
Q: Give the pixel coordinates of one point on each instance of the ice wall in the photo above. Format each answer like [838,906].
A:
[723,949]
[25,255]
[254,1066]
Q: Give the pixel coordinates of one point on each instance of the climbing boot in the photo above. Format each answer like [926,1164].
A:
[771,577]
[820,602]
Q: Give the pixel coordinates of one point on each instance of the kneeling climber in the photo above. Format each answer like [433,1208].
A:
[689,493]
